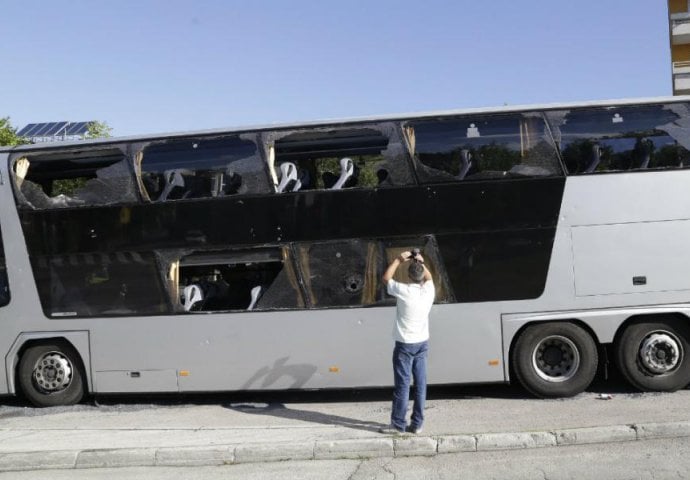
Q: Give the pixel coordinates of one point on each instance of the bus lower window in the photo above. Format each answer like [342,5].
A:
[68,179]
[201,168]
[257,280]
[117,284]
[342,273]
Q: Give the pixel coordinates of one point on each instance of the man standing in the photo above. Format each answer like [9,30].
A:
[411,333]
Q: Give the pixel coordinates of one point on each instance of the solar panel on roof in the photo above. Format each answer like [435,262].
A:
[78,128]
[50,129]
[24,131]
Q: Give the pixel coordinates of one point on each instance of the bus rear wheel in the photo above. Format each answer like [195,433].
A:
[654,355]
[51,375]
[556,359]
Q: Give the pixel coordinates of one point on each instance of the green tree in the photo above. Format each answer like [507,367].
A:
[98,130]
[8,134]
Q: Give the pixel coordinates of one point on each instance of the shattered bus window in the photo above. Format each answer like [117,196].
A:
[623,138]
[344,273]
[74,178]
[92,284]
[201,168]
[337,159]
[482,147]
[260,279]
[4,284]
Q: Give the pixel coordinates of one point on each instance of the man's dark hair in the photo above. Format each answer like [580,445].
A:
[416,272]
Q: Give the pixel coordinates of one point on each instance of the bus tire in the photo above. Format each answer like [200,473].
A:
[556,359]
[655,355]
[51,374]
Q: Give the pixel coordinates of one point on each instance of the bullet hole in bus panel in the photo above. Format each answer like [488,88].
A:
[258,279]
[333,159]
[202,168]
[74,178]
[482,147]
[623,138]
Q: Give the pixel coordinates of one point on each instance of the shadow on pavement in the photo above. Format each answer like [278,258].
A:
[281,411]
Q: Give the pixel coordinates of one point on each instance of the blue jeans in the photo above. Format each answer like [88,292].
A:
[409,362]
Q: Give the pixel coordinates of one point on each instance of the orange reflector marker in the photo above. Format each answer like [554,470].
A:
[493,363]
[184,373]
[334,369]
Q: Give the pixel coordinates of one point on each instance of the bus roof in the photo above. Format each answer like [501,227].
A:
[346,121]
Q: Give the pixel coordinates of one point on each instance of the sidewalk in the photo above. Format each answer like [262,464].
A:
[119,435]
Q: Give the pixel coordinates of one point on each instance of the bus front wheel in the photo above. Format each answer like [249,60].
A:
[557,359]
[51,374]
[654,355]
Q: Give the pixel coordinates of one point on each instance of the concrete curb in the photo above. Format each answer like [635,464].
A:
[386,446]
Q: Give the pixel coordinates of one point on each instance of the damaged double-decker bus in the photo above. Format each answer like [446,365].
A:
[251,259]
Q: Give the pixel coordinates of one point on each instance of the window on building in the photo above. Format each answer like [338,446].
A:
[201,168]
[595,140]
[74,178]
[482,148]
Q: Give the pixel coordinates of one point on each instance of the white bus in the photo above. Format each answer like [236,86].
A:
[251,258]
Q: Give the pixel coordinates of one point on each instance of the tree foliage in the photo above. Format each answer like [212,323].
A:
[8,134]
[98,129]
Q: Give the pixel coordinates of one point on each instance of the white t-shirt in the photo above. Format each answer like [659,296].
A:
[413,307]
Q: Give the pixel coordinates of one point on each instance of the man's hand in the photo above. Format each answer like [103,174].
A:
[405,256]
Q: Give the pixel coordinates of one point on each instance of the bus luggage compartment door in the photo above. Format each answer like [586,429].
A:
[629,258]
[137,381]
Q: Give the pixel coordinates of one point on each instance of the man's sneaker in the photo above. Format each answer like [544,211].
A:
[415,430]
[391,430]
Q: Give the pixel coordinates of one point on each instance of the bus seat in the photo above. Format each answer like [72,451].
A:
[347,168]
[255,293]
[288,175]
[173,178]
[596,159]
[192,296]
[304,180]
[466,157]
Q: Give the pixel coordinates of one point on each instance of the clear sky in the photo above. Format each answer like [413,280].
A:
[146,66]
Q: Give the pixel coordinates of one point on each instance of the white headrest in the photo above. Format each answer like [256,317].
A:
[192,295]
[347,168]
[288,172]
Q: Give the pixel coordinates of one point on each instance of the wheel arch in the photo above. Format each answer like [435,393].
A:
[646,317]
[79,340]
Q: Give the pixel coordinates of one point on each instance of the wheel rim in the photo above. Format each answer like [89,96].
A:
[661,352]
[53,372]
[556,359]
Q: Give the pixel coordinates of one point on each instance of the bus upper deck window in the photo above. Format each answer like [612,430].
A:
[338,159]
[623,138]
[201,168]
[74,178]
[482,148]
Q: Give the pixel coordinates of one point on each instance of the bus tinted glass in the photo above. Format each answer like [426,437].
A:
[98,284]
[623,138]
[482,148]
[4,284]
[202,168]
